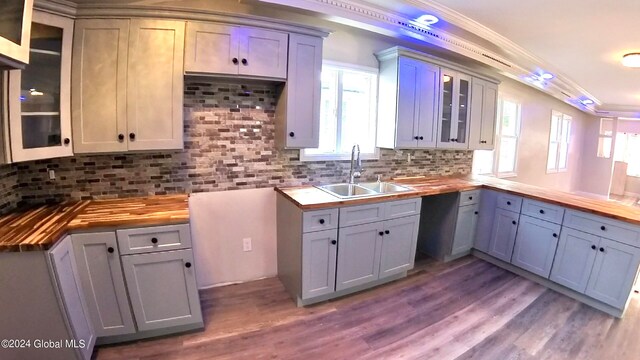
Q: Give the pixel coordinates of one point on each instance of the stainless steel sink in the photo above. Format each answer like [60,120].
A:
[348,191]
[344,191]
[384,187]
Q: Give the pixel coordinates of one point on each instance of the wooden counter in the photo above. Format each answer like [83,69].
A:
[39,228]
[311,198]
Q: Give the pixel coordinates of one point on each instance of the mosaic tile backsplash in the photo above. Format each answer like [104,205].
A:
[229,144]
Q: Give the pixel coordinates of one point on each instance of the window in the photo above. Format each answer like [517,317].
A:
[502,161]
[627,150]
[605,139]
[347,113]
[559,137]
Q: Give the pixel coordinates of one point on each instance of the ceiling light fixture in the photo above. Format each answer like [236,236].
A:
[547,76]
[427,19]
[586,101]
[631,60]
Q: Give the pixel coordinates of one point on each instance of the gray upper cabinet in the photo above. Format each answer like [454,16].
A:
[358,255]
[455,101]
[574,259]
[484,105]
[319,255]
[162,289]
[398,250]
[407,118]
[234,50]
[503,234]
[66,273]
[613,273]
[99,268]
[127,85]
[535,245]
[298,108]
[465,231]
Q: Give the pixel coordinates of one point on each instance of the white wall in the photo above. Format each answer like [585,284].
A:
[534,138]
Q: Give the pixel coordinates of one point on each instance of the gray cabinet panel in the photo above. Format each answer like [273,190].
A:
[362,214]
[399,245]
[319,254]
[358,255]
[466,224]
[169,237]
[66,276]
[503,234]
[102,282]
[613,273]
[543,211]
[319,220]
[535,245]
[574,259]
[469,197]
[601,226]
[162,289]
[402,208]
[509,202]
[487,211]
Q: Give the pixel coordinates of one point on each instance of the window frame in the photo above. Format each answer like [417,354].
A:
[602,136]
[304,156]
[559,140]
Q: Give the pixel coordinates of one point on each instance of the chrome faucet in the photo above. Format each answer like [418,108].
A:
[356,170]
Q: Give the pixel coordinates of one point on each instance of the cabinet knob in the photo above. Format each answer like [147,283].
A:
[120,137]
[514,222]
[508,202]
[601,249]
[333,242]
[67,141]
[381,233]
[470,197]
[244,62]
[321,221]
[417,137]
[593,247]
[132,136]
[387,232]
[455,140]
[234,61]
[187,264]
[421,137]
[110,250]
[603,228]
[475,212]
[555,235]
[541,211]
[154,240]
[291,134]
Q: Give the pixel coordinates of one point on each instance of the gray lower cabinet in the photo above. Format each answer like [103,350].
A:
[503,234]
[574,259]
[613,273]
[398,251]
[319,254]
[358,254]
[66,275]
[535,245]
[98,260]
[465,231]
[162,289]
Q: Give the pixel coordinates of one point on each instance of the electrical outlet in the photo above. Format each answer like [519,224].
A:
[52,174]
[409,158]
[246,244]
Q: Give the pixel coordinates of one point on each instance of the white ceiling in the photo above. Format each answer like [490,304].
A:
[581,39]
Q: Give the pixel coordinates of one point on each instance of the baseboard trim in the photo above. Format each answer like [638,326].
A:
[355,289]
[107,340]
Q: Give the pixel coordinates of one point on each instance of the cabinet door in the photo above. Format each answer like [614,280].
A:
[263,53]
[574,259]
[418,90]
[613,273]
[98,262]
[460,125]
[483,116]
[162,289]
[211,48]
[398,250]
[319,252]
[358,255]
[465,231]
[66,275]
[155,85]
[302,91]
[503,234]
[448,107]
[39,95]
[98,85]
[535,245]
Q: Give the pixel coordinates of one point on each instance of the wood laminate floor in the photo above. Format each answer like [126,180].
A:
[465,309]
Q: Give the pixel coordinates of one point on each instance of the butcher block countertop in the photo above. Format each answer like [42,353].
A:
[40,228]
[311,198]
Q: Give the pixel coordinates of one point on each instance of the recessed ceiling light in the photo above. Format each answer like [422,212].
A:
[427,19]
[547,76]
[631,60]
[586,101]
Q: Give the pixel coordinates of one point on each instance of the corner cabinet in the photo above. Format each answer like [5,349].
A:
[483,115]
[127,85]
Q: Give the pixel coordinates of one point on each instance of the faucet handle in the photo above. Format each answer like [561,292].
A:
[379,178]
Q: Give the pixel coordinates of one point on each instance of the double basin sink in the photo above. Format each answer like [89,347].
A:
[348,191]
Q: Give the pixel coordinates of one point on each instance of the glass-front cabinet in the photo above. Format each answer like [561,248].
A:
[39,95]
[455,98]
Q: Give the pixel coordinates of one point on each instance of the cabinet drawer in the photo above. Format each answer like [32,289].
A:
[362,214]
[402,208]
[543,211]
[469,197]
[319,220]
[607,228]
[152,239]
[509,202]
